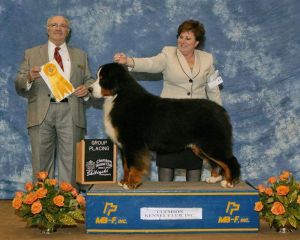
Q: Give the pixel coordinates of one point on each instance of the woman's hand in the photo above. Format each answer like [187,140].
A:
[120,58]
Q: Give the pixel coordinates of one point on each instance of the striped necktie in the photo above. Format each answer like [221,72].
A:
[58,58]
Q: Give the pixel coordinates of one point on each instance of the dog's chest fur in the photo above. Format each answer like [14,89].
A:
[109,129]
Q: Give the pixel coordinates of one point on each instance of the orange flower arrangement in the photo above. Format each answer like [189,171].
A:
[280,201]
[47,205]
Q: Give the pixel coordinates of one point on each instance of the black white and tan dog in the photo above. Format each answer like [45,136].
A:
[139,122]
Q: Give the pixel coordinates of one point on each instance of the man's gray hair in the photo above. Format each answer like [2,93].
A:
[66,19]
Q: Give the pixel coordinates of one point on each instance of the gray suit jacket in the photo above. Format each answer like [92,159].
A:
[38,95]
[176,73]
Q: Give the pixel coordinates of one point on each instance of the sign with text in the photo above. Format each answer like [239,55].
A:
[96,161]
[150,213]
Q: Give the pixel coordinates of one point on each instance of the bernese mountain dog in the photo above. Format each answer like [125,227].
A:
[139,122]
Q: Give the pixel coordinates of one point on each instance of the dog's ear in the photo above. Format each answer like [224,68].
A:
[121,77]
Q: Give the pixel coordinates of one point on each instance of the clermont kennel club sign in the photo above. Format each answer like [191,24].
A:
[96,161]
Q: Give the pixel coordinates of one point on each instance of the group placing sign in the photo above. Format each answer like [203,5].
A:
[96,161]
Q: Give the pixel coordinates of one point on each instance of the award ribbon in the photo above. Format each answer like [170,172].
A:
[60,86]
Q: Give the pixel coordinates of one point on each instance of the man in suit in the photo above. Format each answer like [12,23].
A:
[55,127]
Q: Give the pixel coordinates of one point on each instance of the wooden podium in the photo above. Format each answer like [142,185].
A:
[96,161]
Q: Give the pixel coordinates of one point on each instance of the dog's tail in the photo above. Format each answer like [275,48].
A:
[230,165]
[235,168]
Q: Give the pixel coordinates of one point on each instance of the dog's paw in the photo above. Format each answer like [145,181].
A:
[134,185]
[226,184]
[212,179]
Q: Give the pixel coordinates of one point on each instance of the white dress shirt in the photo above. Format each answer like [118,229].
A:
[64,56]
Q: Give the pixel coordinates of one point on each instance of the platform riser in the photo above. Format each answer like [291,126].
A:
[171,212]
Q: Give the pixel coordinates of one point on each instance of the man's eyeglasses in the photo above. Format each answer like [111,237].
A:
[56,25]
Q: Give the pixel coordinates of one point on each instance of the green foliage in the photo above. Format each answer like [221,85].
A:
[67,220]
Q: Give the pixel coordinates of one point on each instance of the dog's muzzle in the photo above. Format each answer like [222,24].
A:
[95,89]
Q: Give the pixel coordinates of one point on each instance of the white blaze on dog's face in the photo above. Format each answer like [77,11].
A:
[96,88]
[98,91]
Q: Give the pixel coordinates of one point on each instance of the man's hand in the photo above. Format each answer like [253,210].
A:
[81,91]
[34,73]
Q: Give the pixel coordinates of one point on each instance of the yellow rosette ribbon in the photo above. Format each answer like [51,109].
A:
[60,86]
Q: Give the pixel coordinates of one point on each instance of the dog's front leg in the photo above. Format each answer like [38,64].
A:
[135,178]
[132,178]
[125,180]
[139,167]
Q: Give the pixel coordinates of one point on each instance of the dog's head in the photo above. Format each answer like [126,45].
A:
[109,80]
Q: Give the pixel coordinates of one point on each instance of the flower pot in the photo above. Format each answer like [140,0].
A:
[48,230]
[285,229]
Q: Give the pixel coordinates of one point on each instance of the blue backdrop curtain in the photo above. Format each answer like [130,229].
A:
[256,45]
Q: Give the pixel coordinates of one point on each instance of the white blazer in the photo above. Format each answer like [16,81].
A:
[179,80]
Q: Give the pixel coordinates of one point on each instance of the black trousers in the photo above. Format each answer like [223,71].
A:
[168,162]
